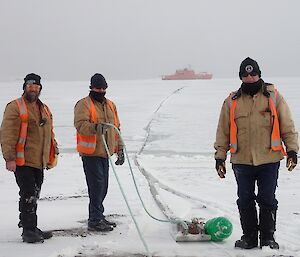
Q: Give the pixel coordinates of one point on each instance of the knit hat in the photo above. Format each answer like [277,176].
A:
[32,78]
[249,66]
[98,81]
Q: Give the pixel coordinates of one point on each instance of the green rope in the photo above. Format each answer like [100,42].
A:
[124,196]
[169,220]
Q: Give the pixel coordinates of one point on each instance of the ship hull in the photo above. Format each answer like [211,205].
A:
[170,77]
[187,74]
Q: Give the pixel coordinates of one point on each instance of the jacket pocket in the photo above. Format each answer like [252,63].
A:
[266,119]
[241,121]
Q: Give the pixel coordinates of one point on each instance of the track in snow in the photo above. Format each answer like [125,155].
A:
[155,182]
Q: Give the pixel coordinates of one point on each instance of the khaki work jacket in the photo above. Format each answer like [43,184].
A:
[254,127]
[38,141]
[85,127]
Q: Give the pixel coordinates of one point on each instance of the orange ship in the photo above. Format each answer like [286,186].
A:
[187,74]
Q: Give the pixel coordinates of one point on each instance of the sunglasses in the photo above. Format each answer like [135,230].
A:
[33,86]
[252,74]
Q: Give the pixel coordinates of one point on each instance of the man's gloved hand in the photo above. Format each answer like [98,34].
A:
[121,158]
[220,167]
[52,165]
[101,127]
[291,160]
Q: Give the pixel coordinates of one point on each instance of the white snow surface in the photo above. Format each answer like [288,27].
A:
[175,121]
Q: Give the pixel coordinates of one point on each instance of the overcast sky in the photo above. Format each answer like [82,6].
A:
[137,39]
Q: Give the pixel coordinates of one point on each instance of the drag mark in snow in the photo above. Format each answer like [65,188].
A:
[113,255]
[76,232]
[62,197]
[154,113]
[274,255]
[153,182]
[150,178]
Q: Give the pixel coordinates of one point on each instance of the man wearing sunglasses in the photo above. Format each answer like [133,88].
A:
[29,147]
[254,122]
[91,114]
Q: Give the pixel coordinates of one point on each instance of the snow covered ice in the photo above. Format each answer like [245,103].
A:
[172,124]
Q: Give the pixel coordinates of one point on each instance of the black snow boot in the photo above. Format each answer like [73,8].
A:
[267,227]
[44,234]
[249,223]
[32,236]
[110,223]
[100,226]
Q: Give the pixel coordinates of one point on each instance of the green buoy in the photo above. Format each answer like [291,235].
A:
[218,228]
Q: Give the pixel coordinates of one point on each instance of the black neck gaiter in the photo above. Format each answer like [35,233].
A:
[99,97]
[251,88]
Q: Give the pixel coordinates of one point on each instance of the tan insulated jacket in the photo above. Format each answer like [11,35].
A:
[253,120]
[38,141]
[85,127]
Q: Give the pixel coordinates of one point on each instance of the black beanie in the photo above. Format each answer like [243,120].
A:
[32,79]
[98,81]
[248,66]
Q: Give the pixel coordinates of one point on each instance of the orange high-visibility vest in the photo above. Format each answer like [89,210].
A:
[276,142]
[20,158]
[233,128]
[20,146]
[52,149]
[87,144]
[116,123]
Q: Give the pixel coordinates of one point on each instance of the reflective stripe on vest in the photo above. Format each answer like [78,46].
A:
[87,144]
[116,123]
[276,142]
[233,128]
[52,149]
[20,156]
[20,146]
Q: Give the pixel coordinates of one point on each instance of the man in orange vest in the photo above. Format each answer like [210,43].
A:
[89,115]
[28,147]
[254,122]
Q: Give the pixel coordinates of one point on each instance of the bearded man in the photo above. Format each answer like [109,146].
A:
[29,147]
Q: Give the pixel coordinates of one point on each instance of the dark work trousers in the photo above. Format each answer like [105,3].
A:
[265,176]
[96,174]
[30,181]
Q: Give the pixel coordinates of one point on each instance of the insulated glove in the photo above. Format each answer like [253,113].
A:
[52,165]
[221,168]
[291,160]
[101,127]
[121,158]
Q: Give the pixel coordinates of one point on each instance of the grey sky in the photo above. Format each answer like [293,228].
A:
[136,39]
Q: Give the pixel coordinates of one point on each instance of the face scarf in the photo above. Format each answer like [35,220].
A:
[251,88]
[99,97]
